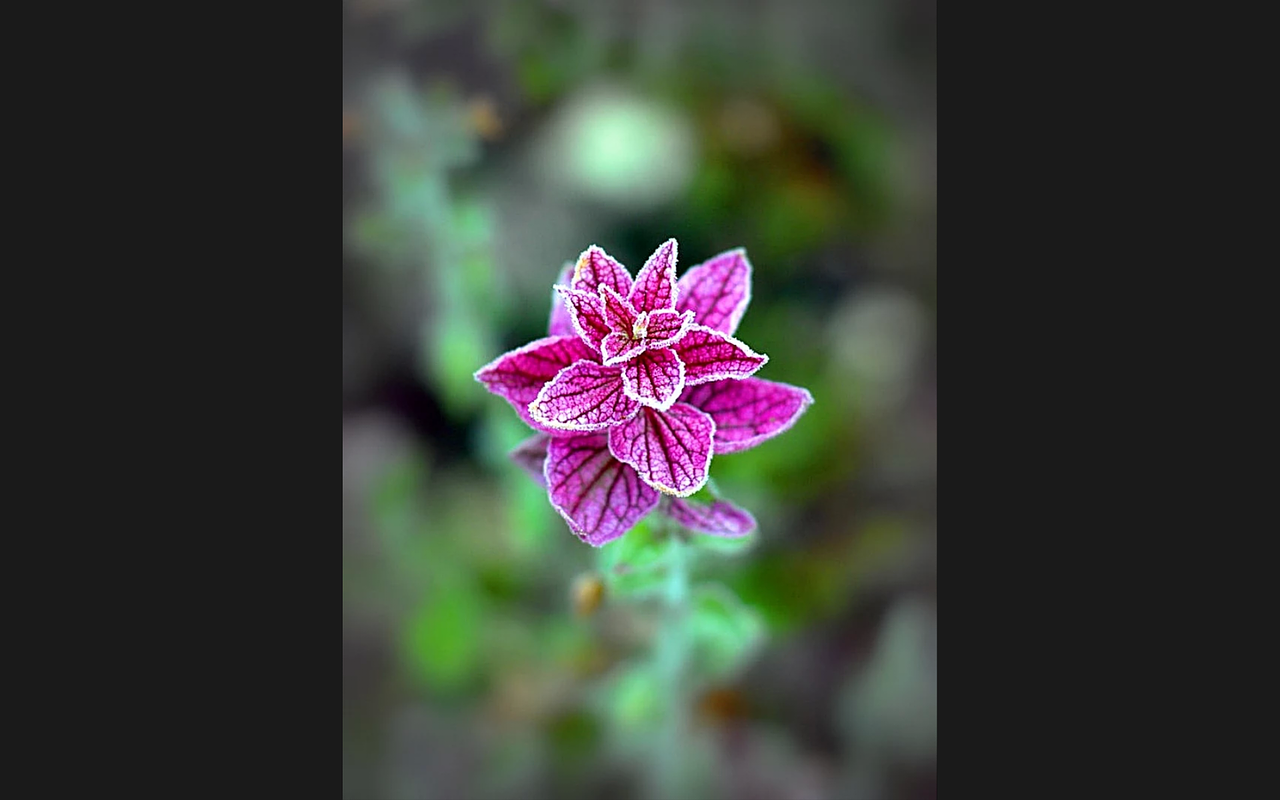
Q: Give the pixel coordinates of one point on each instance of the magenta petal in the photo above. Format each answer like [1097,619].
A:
[531,455]
[719,518]
[618,313]
[519,375]
[583,397]
[561,324]
[587,314]
[747,412]
[670,449]
[596,268]
[600,497]
[655,286]
[618,347]
[710,355]
[667,327]
[654,378]
[718,291]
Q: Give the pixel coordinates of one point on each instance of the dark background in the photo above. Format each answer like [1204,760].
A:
[483,146]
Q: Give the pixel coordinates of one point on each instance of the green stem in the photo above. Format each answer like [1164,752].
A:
[673,657]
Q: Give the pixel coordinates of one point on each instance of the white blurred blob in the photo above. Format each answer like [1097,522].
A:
[893,705]
[618,148]
[877,339]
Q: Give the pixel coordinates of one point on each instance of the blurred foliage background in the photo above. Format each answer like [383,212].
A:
[484,145]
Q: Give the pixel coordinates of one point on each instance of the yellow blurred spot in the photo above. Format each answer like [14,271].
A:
[483,117]
[588,594]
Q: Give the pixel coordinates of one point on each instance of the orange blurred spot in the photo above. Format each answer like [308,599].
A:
[483,118]
[350,126]
[722,706]
[588,594]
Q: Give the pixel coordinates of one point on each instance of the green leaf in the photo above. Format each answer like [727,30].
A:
[440,638]
[635,697]
[641,548]
[636,584]
[726,633]
[724,545]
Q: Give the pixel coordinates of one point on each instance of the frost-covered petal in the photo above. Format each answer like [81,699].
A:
[655,285]
[665,328]
[718,290]
[747,412]
[519,375]
[671,450]
[531,455]
[586,313]
[619,347]
[718,518]
[561,324]
[710,355]
[583,397]
[595,268]
[654,378]
[600,497]
[618,313]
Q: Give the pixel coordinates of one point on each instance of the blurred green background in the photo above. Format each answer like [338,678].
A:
[484,145]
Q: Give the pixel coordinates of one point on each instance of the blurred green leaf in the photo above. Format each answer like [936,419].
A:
[726,632]
[641,548]
[440,638]
[635,696]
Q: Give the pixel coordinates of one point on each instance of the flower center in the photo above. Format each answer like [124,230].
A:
[640,328]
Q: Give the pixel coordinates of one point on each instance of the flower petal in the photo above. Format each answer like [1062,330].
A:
[600,497]
[671,450]
[519,375]
[747,412]
[710,355]
[655,285]
[618,347]
[654,378]
[718,290]
[583,397]
[719,518]
[587,315]
[560,323]
[595,267]
[618,312]
[667,327]
[531,456]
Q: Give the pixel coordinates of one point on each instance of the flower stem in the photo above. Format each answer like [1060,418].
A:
[673,655]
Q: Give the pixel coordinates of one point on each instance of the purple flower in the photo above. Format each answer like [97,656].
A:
[638,384]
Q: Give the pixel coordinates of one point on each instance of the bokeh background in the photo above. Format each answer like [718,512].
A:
[484,145]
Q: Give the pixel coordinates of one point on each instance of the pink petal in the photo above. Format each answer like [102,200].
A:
[655,286]
[671,450]
[718,290]
[531,456]
[519,375]
[747,412]
[595,268]
[618,347]
[710,355]
[618,313]
[583,397]
[600,497]
[561,324]
[667,327]
[587,315]
[719,518]
[654,378]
